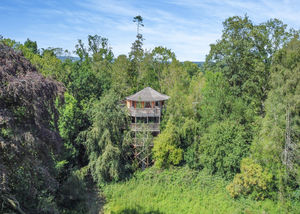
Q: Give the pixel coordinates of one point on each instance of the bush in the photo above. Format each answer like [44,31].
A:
[251,181]
[166,149]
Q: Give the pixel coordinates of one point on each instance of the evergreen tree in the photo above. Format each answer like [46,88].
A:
[277,145]
[108,140]
[136,54]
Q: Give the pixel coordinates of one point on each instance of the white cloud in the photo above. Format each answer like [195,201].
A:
[187,27]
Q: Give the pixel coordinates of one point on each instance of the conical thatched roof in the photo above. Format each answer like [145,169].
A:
[148,94]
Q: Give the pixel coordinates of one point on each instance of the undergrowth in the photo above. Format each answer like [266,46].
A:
[182,190]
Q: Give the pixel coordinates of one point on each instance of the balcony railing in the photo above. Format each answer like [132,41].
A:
[153,127]
[145,112]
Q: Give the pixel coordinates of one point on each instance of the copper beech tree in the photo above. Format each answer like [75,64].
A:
[29,140]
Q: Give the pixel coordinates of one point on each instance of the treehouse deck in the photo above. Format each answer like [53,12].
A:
[152,127]
[145,112]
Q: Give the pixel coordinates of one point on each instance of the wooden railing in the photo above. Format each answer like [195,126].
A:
[153,127]
[145,112]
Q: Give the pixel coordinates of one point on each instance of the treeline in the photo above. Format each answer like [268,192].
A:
[240,118]
[236,116]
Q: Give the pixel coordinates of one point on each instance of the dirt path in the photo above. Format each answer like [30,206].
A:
[96,202]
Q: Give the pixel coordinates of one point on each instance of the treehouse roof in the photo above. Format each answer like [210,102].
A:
[147,94]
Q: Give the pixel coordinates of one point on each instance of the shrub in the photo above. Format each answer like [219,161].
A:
[252,180]
[166,149]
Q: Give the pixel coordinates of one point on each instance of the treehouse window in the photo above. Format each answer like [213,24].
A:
[147,105]
[141,120]
[153,119]
[133,119]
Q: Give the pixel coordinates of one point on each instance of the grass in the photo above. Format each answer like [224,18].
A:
[181,190]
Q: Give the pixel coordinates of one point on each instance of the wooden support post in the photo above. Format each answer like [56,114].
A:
[135,149]
[159,123]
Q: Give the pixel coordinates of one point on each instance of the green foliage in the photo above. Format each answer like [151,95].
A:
[91,76]
[107,140]
[217,103]
[166,150]
[191,68]
[31,45]
[69,124]
[163,55]
[216,99]
[148,73]
[244,55]
[247,89]
[68,114]
[121,84]
[252,180]
[47,63]
[277,145]
[215,109]
[189,133]
[182,190]
[175,82]
[83,83]
[9,42]
[161,58]
[190,138]
[99,48]
[222,148]
[136,49]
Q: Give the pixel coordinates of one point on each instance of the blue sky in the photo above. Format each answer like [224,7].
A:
[185,26]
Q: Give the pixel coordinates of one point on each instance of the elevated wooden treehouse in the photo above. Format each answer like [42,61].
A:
[145,108]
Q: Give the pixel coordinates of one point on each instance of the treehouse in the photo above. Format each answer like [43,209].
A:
[145,108]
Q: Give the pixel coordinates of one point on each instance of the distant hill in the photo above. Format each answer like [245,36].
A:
[73,58]
[199,63]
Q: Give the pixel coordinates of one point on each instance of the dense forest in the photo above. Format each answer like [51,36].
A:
[230,132]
